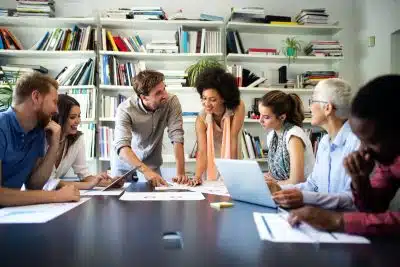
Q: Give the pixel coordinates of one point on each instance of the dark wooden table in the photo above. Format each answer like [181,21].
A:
[107,232]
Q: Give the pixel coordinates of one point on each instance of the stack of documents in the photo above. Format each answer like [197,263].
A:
[274,227]
[208,187]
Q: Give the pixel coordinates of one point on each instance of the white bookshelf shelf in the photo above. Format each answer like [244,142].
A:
[171,159]
[281,59]
[159,56]
[67,88]
[124,88]
[192,119]
[261,28]
[87,120]
[45,22]
[265,90]
[48,54]
[185,89]
[157,25]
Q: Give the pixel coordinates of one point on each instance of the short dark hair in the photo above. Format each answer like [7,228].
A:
[282,103]
[146,80]
[30,82]
[65,104]
[378,101]
[218,79]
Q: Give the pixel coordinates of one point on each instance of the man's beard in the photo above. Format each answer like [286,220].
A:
[43,119]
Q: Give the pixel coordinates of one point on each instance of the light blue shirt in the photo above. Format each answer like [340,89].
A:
[328,185]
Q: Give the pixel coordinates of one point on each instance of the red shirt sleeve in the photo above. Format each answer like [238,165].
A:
[372,201]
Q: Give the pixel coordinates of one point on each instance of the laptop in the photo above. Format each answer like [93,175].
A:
[245,181]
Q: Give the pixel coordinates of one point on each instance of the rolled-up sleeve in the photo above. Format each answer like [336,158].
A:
[123,129]
[175,122]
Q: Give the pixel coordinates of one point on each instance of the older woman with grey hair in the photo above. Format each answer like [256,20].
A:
[328,185]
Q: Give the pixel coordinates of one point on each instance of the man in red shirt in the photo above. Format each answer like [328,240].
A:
[374,168]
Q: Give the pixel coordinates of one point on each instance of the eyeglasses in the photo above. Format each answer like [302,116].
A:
[311,101]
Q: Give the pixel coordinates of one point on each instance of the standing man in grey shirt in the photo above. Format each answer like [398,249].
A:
[139,129]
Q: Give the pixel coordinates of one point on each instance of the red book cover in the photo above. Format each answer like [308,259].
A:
[120,44]
[262,50]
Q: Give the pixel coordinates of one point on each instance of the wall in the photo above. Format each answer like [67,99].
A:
[379,18]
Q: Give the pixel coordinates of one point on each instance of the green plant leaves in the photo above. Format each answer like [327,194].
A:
[194,70]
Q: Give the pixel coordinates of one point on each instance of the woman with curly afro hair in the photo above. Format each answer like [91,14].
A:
[219,123]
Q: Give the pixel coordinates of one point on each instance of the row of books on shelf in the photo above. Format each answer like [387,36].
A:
[9,41]
[77,38]
[115,72]
[10,73]
[120,43]
[252,147]
[82,73]
[201,41]
[89,134]
[85,98]
[109,105]
[106,137]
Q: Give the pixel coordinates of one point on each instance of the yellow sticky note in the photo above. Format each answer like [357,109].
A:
[219,205]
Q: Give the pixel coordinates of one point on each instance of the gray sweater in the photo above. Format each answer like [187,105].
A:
[143,131]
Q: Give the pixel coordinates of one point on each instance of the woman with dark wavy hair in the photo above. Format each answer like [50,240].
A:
[219,123]
[71,153]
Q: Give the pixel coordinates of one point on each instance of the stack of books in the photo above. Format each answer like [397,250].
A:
[110,104]
[35,8]
[324,48]
[117,13]
[85,99]
[77,74]
[311,78]
[251,146]
[248,14]
[174,78]
[234,43]
[117,73]
[162,46]
[120,43]
[262,51]
[67,39]
[312,16]
[7,12]
[106,137]
[208,17]
[11,72]
[9,41]
[237,72]
[89,133]
[201,41]
[145,13]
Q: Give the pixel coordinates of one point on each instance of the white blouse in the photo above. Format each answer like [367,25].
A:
[75,158]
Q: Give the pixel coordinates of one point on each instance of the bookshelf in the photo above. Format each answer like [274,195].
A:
[29,30]
[48,54]
[160,56]
[280,59]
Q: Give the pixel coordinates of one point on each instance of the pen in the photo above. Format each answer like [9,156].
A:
[267,226]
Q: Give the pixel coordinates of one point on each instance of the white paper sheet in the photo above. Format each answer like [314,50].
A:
[274,227]
[208,187]
[41,213]
[99,191]
[161,196]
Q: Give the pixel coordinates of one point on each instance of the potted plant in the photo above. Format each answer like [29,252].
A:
[194,70]
[6,91]
[291,47]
